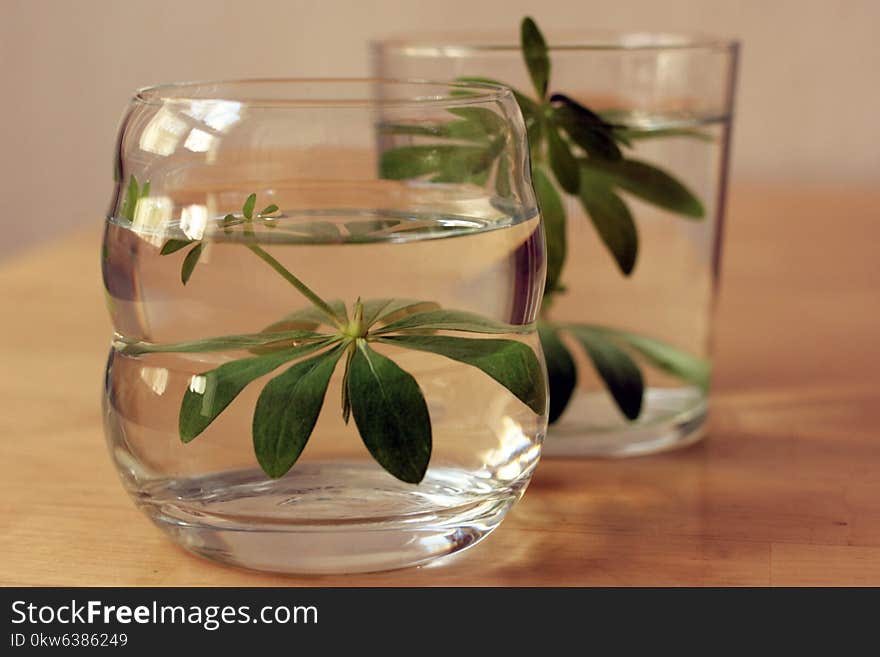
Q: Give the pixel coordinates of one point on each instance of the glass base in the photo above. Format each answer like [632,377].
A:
[593,427]
[305,524]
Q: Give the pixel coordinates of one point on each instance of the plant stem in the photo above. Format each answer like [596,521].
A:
[319,303]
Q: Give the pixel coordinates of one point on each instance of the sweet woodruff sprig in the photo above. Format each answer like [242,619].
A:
[386,402]
[578,152]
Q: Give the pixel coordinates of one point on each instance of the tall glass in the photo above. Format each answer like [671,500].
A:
[315,367]
[669,99]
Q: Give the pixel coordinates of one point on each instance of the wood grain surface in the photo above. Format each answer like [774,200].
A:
[785,491]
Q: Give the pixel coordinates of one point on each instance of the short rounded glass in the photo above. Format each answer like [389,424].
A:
[324,355]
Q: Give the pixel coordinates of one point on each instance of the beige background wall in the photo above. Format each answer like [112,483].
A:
[808,105]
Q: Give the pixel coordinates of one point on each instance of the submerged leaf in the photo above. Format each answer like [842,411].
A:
[248,208]
[173,246]
[511,363]
[648,182]
[189,263]
[612,219]
[447,159]
[620,374]
[633,134]
[210,392]
[488,121]
[221,343]
[464,129]
[346,397]
[390,413]
[450,320]
[672,360]
[553,215]
[366,227]
[132,194]
[287,410]
[384,310]
[561,370]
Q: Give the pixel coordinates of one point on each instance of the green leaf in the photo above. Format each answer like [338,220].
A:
[531,110]
[364,228]
[612,219]
[561,370]
[416,161]
[228,222]
[665,357]
[376,310]
[553,215]
[269,209]
[145,190]
[390,413]
[346,397]
[209,393]
[649,183]
[449,320]
[248,208]
[511,363]
[563,162]
[534,50]
[172,246]
[584,114]
[502,177]
[220,343]
[451,162]
[287,411]
[585,128]
[308,318]
[535,132]
[631,133]
[410,161]
[621,375]
[621,138]
[190,261]
[465,130]
[131,198]
[488,121]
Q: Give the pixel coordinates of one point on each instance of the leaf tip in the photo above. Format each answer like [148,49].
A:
[272,470]
[248,208]
[188,433]
[633,410]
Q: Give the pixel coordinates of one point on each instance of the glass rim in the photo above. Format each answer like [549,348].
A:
[570,41]
[175,92]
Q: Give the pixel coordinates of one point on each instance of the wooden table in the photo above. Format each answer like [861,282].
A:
[786,491]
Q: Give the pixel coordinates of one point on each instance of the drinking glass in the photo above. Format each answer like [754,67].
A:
[316,367]
[645,321]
